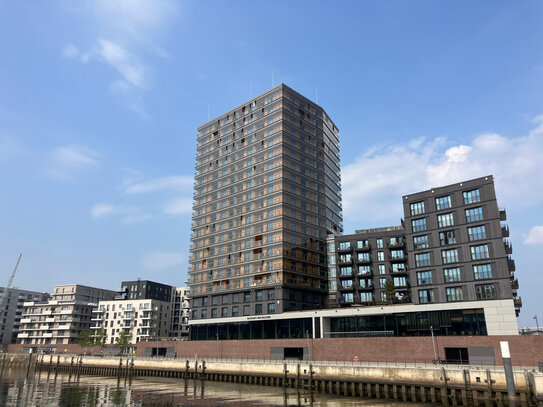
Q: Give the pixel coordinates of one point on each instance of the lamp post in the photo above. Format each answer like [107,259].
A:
[536,323]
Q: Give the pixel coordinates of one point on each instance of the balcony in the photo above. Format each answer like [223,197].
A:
[345,261]
[399,270]
[505,231]
[508,247]
[511,263]
[364,260]
[343,249]
[349,288]
[49,319]
[25,335]
[363,248]
[397,258]
[364,274]
[98,310]
[503,214]
[517,302]
[396,245]
[514,284]
[346,275]
[368,287]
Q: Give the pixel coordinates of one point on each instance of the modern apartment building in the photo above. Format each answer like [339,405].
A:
[12,311]
[60,319]
[180,307]
[145,309]
[267,194]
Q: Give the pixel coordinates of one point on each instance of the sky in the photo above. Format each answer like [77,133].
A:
[100,101]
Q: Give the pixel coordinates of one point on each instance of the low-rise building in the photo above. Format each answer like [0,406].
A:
[179,327]
[60,319]
[12,311]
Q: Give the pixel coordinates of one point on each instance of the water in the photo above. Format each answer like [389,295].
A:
[62,389]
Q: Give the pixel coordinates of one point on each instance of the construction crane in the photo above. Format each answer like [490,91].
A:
[8,286]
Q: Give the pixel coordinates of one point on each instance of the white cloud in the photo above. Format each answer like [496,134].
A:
[179,206]
[127,214]
[373,185]
[130,68]
[66,162]
[163,260]
[176,182]
[70,51]
[535,236]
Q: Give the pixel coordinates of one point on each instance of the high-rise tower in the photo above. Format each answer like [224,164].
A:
[267,194]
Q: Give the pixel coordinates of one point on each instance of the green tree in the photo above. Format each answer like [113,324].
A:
[390,291]
[85,338]
[100,337]
[124,339]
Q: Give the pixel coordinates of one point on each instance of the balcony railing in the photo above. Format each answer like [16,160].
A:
[505,231]
[508,247]
[511,264]
[503,214]
[518,302]
[514,284]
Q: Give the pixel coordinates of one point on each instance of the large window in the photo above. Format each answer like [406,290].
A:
[344,245]
[345,271]
[396,254]
[347,297]
[477,233]
[479,252]
[366,297]
[364,270]
[482,271]
[422,259]
[420,242]
[424,277]
[474,214]
[426,296]
[360,244]
[365,256]
[418,225]
[454,294]
[443,203]
[417,208]
[471,196]
[346,283]
[449,256]
[452,275]
[445,220]
[447,237]
[382,269]
[379,243]
[400,282]
[398,267]
[485,292]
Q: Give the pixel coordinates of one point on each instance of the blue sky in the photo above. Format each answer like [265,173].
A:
[100,101]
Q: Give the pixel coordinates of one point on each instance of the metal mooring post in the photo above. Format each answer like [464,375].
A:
[509,377]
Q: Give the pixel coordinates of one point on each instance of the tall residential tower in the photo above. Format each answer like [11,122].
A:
[267,194]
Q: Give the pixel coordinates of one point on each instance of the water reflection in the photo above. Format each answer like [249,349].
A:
[52,389]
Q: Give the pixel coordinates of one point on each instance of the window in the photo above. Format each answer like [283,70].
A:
[204,301]
[418,225]
[246,309]
[366,297]
[380,256]
[382,282]
[471,196]
[446,238]
[204,314]
[479,252]
[454,294]
[382,269]
[258,309]
[400,282]
[449,256]
[424,277]
[452,274]
[246,296]
[422,259]
[417,208]
[379,243]
[271,308]
[344,258]
[214,313]
[345,271]
[224,312]
[347,297]
[474,214]
[361,244]
[445,220]
[398,267]
[420,242]
[364,270]
[259,295]
[482,271]
[396,254]
[476,233]
[347,283]
[235,311]
[443,203]
[363,257]
[344,245]
[194,314]
[485,292]
[426,296]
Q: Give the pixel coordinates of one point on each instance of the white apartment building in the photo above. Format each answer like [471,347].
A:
[140,318]
[179,327]
[61,319]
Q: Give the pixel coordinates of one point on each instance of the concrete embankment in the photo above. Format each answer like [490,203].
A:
[445,385]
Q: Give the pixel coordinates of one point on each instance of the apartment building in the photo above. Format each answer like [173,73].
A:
[144,309]
[267,194]
[60,319]
[12,311]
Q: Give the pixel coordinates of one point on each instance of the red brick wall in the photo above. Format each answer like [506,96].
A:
[526,350]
